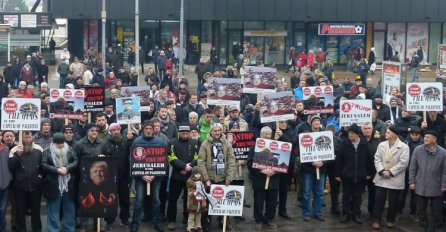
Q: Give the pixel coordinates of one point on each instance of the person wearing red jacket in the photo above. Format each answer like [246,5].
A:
[310,59]
[27,74]
[301,59]
[321,58]
[111,78]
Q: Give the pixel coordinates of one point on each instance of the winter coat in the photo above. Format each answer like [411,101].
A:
[161,61]
[310,60]
[190,108]
[120,150]
[192,203]
[182,152]
[8,75]
[428,171]
[85,148]
[205,158]
[26,168]
[399,160]
[50,184]
[42,140]
[27,75]
[354,165]
[42,71]
[5,174]
[98,79]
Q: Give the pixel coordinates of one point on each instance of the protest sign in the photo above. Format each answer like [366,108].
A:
[259,80]
[271,154]
[316,146]
[20,114]
[276,106]
[229,200]
[224,91]
[67,103]
[318,99]
[391,77]
[143,93]
[148,161]
[355,111]
[441,61]
[241,142]
[98,190]
[128,110]
[94,98]
[424,96]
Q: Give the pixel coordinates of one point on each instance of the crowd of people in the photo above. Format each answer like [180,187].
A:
[397,154]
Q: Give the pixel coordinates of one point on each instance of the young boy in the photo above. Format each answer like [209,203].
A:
[196,202]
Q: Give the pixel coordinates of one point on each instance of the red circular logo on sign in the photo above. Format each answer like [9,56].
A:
[286,147]
[318,91]
[67,94]
[307,91]
[306,141]
[218,192]
[274,145]
[261,143]
[78,94]
[346,107]
[414,90]
[327,90]
[54,93]
[10,106]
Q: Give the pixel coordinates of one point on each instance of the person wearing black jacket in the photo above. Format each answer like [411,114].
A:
[24,164]
[8,74]
[354,167]
[117,146]
[382,109]
[183,156]
[59,165]
[262,196]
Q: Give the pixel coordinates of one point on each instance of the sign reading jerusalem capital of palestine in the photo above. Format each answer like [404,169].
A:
[20,114]
[316,146]
[424,96]
[355,111]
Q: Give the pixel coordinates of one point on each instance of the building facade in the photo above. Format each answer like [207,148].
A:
[265,30]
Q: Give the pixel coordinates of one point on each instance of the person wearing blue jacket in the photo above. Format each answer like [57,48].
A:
[147,139]
[298,92]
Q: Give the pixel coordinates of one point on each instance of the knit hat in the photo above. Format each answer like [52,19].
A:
[184,128]
[378,95]
[393,98]
[45,120]
[232,108]
[265,129]
[146,123]
[90,126]
[67,128]
[114,126]
[314,118]
[195,170]
[354,128]
[215,125]
[58,138]
[233,124]
[250,108]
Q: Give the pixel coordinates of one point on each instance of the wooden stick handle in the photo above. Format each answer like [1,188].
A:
[89,117]
[267,182]
[66,122]
[148,189]
[225,220]
[318,174]
[20,137]
[424,116]
[98,225]
[240,170]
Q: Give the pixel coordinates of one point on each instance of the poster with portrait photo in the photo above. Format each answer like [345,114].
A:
[396,40]
[259,80]
[417,36]
[224,91]
[441,61]
[318,99]
[67,103]
[143,92]
[128,110]
[271,154]
[276,106]
[98,190]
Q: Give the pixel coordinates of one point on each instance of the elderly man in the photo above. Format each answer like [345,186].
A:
[427,176]
[59,164]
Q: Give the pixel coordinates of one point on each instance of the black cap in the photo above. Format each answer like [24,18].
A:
[184,128]
[431,132]
[394,129]
[58,138]
[100,70]
[67,128]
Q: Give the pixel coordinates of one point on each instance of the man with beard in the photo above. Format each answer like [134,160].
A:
[109,112]
[182,157]
[44,138]
[192,106]
[5,179]
[59,164]
[217,161]
[382,109]
[101,121]
[117,146]
[24,163]
[167,127]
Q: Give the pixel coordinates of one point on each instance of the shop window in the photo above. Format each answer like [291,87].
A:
[170,33]
[253,25]
[279,26]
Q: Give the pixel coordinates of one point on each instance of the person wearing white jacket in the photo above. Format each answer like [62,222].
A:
[391,161]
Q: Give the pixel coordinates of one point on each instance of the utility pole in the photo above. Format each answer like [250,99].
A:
[104,20]
[180,55]
[137,37]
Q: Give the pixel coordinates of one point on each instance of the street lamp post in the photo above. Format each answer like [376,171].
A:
[104,19]
[181,54]
[137,61]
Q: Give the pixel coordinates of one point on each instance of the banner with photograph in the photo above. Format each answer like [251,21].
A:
[148,161]
[143,92]
[229,200]
[316,146]
[391,77]
[424,96]
[441,61]
[98,187]
[94,98]
[259,80]
[276,106]
[417,36]
[241,142]
[318,99]
[224,91]
[355,111]
[271,154]
[20,114]
[67,103]
[396,39]
[128,110]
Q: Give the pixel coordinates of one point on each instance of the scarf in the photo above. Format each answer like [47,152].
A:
[392,118]
[60,161]
[388,160]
